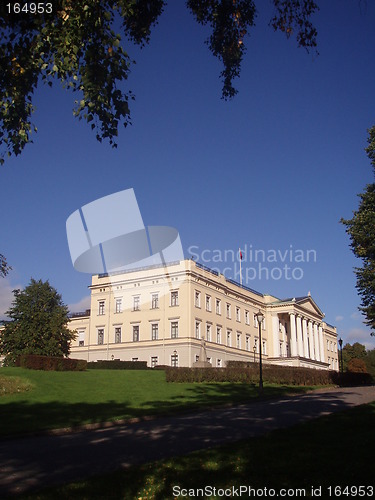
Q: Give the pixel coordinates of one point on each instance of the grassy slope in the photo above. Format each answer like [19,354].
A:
[65,399]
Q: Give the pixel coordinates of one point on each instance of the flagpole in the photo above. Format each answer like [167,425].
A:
[240,256]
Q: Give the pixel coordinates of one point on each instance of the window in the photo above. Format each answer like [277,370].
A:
[154,361]
[155,301]
[136,333]
[154,331]
[218,363]
[81,338]
[100,336]
[228,339]
[208,303]
[118,335]
[218,335]
[247,342]
[136,302]
[228,311]
[101,307]
[255,321]
[197,299]
[208,333]
[174,360]
[118,305]
[256,345]
[264,345]
[281,348]
[247,317]
[174,298]
[238,314]
[197,330]
[238,341]
[218,306]
[174,329]
[196,357]
[135,359]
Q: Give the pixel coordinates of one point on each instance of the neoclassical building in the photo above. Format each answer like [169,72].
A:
[160,314]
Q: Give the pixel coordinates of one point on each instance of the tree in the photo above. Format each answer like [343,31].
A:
[355,351]
[361,229]
[38,323]
[76,42]
[4,267]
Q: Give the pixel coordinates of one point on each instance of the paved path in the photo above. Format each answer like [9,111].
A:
[37,461]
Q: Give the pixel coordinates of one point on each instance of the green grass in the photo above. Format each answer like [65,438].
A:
[68,399]
[336,450]
[13,385]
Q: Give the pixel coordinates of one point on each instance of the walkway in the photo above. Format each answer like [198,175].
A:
[38,461]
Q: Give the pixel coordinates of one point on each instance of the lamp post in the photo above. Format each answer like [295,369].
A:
[342,365]
[260,317]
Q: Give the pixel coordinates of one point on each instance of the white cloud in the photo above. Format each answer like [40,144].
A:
[82,305]
[339,318]
[357,315]
[6,295]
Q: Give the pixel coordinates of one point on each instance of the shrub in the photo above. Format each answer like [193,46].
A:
[116,364]
[50,363]
[356,365]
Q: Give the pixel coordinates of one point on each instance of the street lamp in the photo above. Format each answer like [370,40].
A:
[340,344]
[260,316]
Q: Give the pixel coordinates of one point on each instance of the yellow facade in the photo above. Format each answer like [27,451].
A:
[161,314]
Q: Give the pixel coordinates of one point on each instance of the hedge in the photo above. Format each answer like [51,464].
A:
[116,364]
[272,374]
[50,363]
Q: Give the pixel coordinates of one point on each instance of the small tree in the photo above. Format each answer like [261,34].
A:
[38,323]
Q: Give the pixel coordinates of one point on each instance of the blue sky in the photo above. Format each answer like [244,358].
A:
[274,169]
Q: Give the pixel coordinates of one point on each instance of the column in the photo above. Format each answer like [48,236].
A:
[293,339]
[311,339]
[305,344]
[275,335]
[299,335]
[316,340]
[321,343]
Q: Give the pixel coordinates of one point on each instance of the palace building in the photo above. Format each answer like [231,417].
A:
[162,313]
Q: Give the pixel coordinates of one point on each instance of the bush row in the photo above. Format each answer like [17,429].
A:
[50,363]
[116,364]
[249,373]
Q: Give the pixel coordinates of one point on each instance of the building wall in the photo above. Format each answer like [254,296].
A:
[293,331]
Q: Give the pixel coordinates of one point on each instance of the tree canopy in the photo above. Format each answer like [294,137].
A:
[4,266]
[38,323]
[361,229]
[84,44]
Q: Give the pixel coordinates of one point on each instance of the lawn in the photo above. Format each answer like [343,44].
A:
[330,452]
[67,399]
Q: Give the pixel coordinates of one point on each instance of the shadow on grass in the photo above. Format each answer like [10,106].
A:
[32,462]
[330,451]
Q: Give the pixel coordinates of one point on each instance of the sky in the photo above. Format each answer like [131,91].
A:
[271,171]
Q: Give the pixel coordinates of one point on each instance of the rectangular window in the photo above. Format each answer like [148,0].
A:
[118,335]
[264,351]
[208,303]
[218,306]
[197,330]
[247,317]
[100,336]
[81,338]
[154,331]
[155,301]
[218,335]
[118,306]
[228,339]
[208,333]
[135,333]
[238,314]
[228,311]
[238,341]
[101,307]
[135,359]
[197,299]
[174,329]
[174,298]
[174,360]
[136,303]
[218,363]
[247,343]
[154,361]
